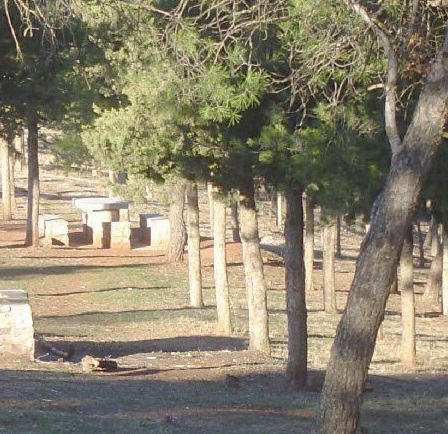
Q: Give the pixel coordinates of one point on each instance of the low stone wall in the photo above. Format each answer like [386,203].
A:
[16,326]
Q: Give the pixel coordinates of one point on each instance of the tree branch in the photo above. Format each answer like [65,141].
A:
[390,86]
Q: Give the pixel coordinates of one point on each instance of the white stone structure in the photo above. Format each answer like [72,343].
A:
[53,227]
[98,215]
[16,326]
[155,229]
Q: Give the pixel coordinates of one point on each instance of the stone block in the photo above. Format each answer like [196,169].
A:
[120,234]
[16,326]
[53,227]
[155,229]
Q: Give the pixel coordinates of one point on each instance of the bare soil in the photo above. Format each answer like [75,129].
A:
[176,374]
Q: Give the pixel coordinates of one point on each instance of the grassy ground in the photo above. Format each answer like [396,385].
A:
[173,367]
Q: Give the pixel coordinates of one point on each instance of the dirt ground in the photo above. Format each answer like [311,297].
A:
[175,373]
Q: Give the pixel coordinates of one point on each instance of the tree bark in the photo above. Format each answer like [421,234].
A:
[355,337]
[210,205]
[408,348]
[309,243]
[279,209]
[434,283]
[175,250]
[32,223]
[12,180]
[338,237]
[220,266]
[328,240]
[234,222]
[194,247]
[295,290]
[445,272]
[253,270]
[6,178]
[421,250]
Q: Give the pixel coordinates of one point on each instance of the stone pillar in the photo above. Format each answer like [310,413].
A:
[16,326]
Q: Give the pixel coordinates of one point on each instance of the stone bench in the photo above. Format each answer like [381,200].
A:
[16,326]
[155,229]
[116,235]
[53,227]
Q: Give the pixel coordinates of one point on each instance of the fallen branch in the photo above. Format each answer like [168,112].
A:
[66,355]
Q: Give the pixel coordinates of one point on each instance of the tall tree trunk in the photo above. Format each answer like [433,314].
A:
[434,283]
[6,178]
[338,237]
[194,247]
[432,237]
[234,222]
[175,250]
[354,343]
[295,289]
[279,211]
[253,270]
[210,205]
[328,240]
[407,300]
[220,265]
[32,223]
[445,271]
[309,243]
[12,179]
[421,250]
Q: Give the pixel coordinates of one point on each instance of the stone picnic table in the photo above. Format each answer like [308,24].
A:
[105,221]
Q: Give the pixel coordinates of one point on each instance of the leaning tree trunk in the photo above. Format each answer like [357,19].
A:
[220,265]
[309,243]
[175,250]
[295,290]
[32,223]
[445,271]
[194,249]
[6,178]
[354,343]
[408,351]
[328,240]
[254,274]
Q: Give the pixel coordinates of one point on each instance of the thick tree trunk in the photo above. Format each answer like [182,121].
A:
[295,290]
[328,240]
[6,178]
[355,337]
[254,274]
[194,249]
[32,223]
[220,266]
[309,243]
[445,272]
[434,283]
[407,301]
[175,250]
